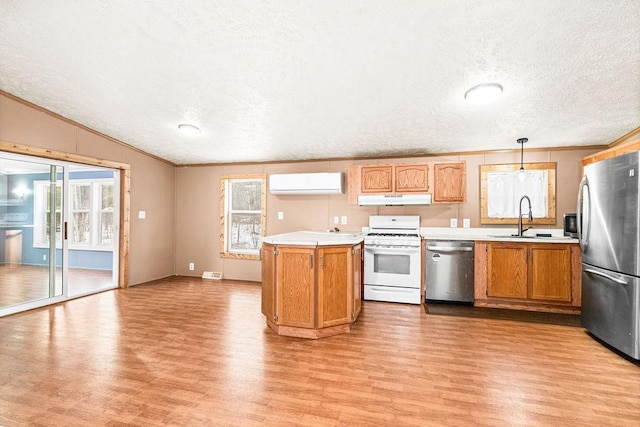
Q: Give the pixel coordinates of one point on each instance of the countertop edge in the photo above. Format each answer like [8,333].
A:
[310,238]
[553,239]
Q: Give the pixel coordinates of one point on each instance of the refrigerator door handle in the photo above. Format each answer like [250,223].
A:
[606,276]
[583,238]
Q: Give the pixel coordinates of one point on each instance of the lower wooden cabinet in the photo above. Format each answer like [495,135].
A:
[295,287]
[533,276]
[335,291]
[550,273]
[507,271]
[357,286]
[311,292]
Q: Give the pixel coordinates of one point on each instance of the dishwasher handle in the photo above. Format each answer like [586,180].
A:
[450,249]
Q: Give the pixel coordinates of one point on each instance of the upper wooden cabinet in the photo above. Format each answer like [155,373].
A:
[446,181]
[411,178]
[376,179]
[389,179]
[450,183]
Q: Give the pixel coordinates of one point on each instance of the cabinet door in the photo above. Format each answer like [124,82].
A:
[268,282]
[507,270]
[411,178]
[376,179]
[356,260]
[295,287]
[550,272]
[334,293]
[449,182]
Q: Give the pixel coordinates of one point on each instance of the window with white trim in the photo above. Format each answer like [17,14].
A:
[242,216]
[90,217]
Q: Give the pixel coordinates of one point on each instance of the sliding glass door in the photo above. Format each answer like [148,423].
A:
[93,218]
[58,231]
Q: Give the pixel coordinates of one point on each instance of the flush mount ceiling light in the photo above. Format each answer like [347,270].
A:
[522,175]
[187,129]
[483,93]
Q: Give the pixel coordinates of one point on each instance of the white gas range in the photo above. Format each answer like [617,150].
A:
[392,262]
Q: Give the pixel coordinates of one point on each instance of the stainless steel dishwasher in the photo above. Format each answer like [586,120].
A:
[449,271]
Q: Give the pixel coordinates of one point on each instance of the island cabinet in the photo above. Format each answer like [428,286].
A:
[529,276]
[311,291]
[446,181]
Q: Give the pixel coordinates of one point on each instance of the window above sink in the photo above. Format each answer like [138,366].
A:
[508,196]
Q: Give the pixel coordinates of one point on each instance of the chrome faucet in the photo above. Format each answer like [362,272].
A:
[520,229]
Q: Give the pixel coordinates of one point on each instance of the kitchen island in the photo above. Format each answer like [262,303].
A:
[311,282]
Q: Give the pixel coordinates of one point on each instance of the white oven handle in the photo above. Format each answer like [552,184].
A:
[392,251]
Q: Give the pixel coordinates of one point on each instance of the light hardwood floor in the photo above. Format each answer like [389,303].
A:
[20,283]
[189,352]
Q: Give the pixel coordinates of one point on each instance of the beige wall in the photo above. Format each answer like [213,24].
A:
[152,181]
[182,204]
[198,204]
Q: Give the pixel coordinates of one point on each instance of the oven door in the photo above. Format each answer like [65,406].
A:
[392,267]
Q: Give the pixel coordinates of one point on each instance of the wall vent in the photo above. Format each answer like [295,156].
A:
[212,275]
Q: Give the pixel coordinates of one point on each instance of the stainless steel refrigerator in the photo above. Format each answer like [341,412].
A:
[609,234]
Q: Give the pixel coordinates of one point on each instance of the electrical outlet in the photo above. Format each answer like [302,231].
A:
[280,215]
[142,214]
[192,266]
[343,220]
[336,220]
[454,222]
[44,257]
[466,223]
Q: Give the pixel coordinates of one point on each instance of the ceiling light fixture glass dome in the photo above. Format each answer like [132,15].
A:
[483,93]
[188,129]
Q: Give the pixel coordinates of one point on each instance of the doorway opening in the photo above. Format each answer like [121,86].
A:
[60,230]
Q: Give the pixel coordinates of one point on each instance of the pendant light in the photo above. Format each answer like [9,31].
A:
[522,175]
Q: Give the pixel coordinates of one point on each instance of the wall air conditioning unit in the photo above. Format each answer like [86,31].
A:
[306,184]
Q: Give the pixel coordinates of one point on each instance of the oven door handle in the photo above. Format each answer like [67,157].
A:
[392,251]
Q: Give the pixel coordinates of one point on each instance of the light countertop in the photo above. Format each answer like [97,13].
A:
[495,234]
[315,238]
[326,238]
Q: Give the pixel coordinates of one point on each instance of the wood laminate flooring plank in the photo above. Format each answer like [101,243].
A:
[183,351]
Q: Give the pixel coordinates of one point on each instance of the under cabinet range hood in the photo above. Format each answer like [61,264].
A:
[394,199]
[306,183]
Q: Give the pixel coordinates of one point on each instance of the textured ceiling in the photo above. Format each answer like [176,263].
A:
[290,80]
